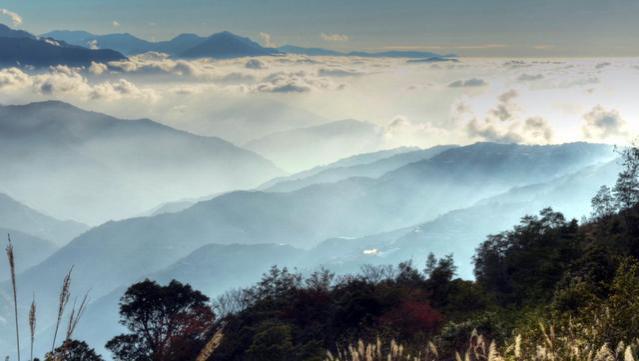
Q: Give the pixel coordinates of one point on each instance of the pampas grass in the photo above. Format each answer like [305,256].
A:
[75,315]
[32,325]
[65,293]
[568,346]
[12,267]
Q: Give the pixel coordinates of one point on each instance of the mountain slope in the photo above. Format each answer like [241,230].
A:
[101,168]
[416,193]
[17,216]
[22,48]
[341,170]
[460,231]
[319,144]
[227,45]
[28,250]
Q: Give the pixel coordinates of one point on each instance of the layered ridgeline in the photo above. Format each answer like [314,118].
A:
[20,48]
[392,203]
[220,45]
[19,217]
[92,167]
[329,141]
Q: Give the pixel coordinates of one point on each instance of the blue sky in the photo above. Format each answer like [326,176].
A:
[467,27]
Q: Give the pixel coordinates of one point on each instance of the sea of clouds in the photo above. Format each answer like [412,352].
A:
[422,104]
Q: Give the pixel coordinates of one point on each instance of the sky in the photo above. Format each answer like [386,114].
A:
[541,28]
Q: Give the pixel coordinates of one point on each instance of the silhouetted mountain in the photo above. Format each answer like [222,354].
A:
[320,144]
[17,216]
[126,43]
[20,48]
[179,44]
[93,167]
[7,32]
[227,45]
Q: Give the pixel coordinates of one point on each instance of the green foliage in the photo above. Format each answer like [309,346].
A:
[167,323]
[73,350]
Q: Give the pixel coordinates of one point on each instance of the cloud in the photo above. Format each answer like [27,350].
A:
[97,68]
[339,73]
[93,44]
[539,129]
[470,83]
[115,24]
[602,124]
[16,19]
[13,77]
[267,40]
[334,37]
[506,108]
[535,130]
[255,64]
[530,77]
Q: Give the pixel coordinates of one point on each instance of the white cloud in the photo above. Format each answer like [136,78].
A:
[16,19]
[267,40]
[115,24]
[470,83]
[334,37]
[530,77]
[601,124]
[93,44]
[97,68]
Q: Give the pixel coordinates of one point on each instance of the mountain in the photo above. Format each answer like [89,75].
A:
[212,269]
[19,48]
[179,44]
[28,250]
[388,206]
[460,231]
[92,167]
[319,144]
[395,54]
[292,49]
[15,215]
[126,43]
[412,194]
[227,45]
[7,32]
[355,166]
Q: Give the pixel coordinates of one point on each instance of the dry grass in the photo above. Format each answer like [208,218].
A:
[552,347]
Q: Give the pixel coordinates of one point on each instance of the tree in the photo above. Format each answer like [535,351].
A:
[166,323]
[626,190]
[73,350]
[272,342]
[603,204]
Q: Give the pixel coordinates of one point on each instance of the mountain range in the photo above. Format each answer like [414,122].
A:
[321,144]
[19,217]
[407,211]
[106,168]
[20,48]
[219,45]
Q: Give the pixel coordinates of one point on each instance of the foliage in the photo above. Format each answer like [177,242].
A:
[165,322]
[73,350]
